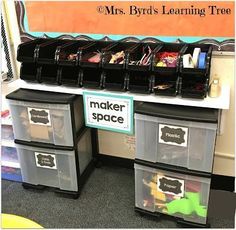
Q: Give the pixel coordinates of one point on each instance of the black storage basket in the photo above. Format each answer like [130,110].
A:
[68,75]
[165,78]
[46,52]
[139,75]
[48,74]
[26,51]
[69,53]
[114,74]
[90,73]
[194,82]
[28,72]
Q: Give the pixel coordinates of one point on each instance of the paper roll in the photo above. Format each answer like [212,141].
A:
[188,61]
[196,53]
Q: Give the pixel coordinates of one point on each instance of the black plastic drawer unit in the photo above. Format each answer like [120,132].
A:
[46,117]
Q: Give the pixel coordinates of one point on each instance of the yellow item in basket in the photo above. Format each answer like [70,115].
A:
[156,194]
[13,221]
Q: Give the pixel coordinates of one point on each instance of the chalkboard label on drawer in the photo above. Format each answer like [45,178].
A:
[44,160]
[39,116]
[171,186]
[173,135]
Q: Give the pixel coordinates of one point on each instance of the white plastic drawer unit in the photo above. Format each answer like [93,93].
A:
[176,194]
[46,117]
[176,135]
[53,167]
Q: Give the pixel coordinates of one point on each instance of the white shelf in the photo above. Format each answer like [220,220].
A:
[6,121]
[10,164]
[222,102]
[4,106]
[8,143]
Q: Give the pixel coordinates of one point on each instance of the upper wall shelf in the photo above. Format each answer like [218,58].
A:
[221,102]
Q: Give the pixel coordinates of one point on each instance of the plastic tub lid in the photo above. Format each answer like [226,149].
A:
[178,112]
[41,96]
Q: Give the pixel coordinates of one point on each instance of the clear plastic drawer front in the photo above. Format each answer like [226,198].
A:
[182,143]
[41,122]
[174,194]
[54,168]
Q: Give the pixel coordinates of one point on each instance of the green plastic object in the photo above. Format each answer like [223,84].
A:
[187,205]
[182,206]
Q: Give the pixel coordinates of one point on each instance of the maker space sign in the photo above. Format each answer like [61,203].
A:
[109,111]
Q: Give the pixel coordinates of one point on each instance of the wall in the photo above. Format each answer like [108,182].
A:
[224,162]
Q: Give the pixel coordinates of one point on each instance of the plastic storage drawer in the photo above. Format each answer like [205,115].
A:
[53,167]
[176,135]
[46,117]
[184,196]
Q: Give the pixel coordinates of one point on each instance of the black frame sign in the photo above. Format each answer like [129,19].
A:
[170,185]
[39,116]
[173,135]
[45,160]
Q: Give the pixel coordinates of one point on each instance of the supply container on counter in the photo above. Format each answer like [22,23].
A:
[26,52]
[46,53]
[194,82]
[165,68]
[68,76]
[90,63]
[28,72]
[69,53]
[139,62]
[48,74]
[114,64]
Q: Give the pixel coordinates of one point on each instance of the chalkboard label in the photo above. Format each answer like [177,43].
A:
[44,160]
[39,116]
[171,186]
[173,135]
